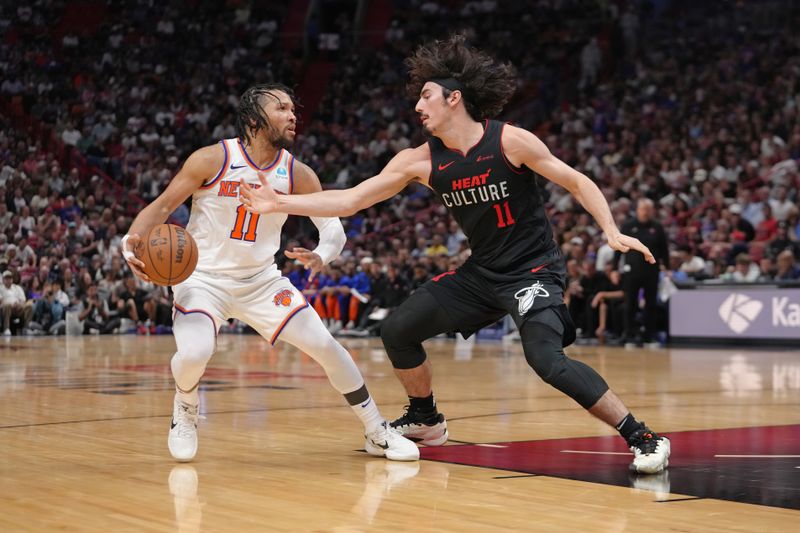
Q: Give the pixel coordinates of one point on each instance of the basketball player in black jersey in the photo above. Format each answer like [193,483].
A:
[486,173]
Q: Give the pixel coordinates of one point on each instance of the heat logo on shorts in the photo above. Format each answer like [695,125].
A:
[527,295]
[283,297]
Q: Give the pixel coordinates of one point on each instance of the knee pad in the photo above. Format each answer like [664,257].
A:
[391,328]
[558,318]
[420,317]
[195,337]
[403,349]
[542,338]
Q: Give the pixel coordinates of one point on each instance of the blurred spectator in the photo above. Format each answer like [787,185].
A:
[744,270]
[781,206]
[768,227]
[782,242]
[14,304]
[738,246]
[437,247]
[787,269]
[609,303]
[693,265]
[455,239]
[49,310]
[582,292]
[93,312]
[143,311]
[388,292]
[740,224]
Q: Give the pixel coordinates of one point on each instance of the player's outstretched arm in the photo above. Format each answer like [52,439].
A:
[198,168]
[331,233]
[406,166]
[524,148]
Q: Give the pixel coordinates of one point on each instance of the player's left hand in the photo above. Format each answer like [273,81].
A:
[309,259]
[258,200]
[625,243]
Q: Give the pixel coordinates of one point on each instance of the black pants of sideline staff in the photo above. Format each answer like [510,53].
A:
[645,279]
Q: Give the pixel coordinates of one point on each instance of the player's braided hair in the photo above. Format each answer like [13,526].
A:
[250,116]
[488,84]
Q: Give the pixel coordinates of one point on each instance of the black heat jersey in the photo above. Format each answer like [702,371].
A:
[498,206]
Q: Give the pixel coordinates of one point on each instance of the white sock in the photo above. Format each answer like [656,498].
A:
[367,412]
[190,398]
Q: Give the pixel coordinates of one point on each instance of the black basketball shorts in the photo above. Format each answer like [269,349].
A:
[475,297]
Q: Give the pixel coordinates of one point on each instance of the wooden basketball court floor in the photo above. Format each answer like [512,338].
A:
[84,421]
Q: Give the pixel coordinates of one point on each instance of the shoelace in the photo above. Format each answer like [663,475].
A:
[187,420]
[645,440]
[382,433]
[410,418]
[404,420]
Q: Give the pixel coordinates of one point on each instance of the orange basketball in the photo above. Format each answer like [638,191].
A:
[169,254]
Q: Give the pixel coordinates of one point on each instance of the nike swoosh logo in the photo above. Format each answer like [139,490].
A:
[172,424]
[385,445]
[442,167]
[234,167]
[366,403]
[485,157]
[537,269]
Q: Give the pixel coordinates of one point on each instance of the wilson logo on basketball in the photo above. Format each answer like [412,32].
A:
[181,236]
[283,297]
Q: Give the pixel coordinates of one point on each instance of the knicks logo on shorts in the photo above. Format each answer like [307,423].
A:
[527,295]
[283,297]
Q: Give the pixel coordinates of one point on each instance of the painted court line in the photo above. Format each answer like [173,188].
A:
[759,456]
[595,453]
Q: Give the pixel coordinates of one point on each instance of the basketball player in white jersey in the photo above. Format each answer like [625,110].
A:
[236,275]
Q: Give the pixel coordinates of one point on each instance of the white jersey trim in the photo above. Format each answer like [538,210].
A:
[222,170]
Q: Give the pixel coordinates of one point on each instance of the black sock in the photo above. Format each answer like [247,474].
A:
[425,405]
[627,426]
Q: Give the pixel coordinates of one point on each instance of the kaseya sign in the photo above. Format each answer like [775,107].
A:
[736,312]
[739,311]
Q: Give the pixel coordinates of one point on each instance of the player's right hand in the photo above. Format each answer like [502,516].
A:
[624,243]
[129,243]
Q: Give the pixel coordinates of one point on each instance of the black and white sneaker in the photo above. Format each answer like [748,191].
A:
[182,439]
[428,430]
[387,442]
[650,451]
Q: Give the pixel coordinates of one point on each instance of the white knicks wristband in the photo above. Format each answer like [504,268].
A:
[127,254]
[326,252]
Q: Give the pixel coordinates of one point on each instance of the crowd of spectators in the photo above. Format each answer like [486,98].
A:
[701,117]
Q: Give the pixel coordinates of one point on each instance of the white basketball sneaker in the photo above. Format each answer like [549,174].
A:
[387,442]
[182,440]
[428,430]
[650,451]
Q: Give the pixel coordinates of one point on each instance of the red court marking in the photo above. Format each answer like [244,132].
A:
[693,467]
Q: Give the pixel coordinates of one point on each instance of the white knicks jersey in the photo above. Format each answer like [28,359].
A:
[232,241]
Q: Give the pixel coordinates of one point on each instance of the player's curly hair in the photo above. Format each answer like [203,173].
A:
[488,84]
[250,116]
